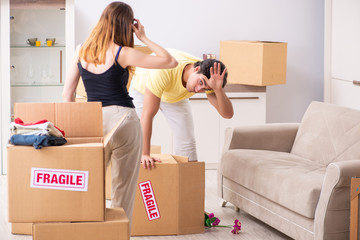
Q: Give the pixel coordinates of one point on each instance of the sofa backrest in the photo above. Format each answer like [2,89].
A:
[328,133]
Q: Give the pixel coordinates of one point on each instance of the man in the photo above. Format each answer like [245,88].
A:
[169,90]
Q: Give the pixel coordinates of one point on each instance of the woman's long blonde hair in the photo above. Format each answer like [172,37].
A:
[114,26]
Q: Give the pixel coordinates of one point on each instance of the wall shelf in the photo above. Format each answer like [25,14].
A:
[42,46]
[36,84]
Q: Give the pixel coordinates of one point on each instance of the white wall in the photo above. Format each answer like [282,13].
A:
[197,26]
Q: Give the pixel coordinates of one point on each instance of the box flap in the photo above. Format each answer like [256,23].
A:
[81,119]
[34,112]
[165,158]
[181,159]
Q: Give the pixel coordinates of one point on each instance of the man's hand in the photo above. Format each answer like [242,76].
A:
[148,162]
[216,77]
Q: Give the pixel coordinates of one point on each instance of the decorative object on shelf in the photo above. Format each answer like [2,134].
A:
[259,63]
[209,56]
[38,43]
[52,41]
[31,41]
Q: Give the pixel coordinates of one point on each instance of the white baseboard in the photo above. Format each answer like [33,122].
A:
[211,166]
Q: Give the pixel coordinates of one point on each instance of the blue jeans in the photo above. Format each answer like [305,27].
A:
[37,141]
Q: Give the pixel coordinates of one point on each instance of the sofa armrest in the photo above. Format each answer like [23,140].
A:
[332,216]
[272,136]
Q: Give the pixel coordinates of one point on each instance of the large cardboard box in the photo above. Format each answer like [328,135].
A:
[170,198]
[62,183]
[115,227]
[154,149]
[256,63]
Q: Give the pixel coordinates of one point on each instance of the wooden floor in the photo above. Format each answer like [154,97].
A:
[252,229]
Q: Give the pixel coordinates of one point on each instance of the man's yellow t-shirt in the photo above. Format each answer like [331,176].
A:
[165,83]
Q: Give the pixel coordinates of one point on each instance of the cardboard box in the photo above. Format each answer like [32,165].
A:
[113,216]
[256,63]
[115,227]
[80,90]
[62,183]
[354,208]
[154,149]
[21,228]
[170,198]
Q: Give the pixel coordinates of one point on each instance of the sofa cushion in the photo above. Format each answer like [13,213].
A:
[289,180]
[328,133]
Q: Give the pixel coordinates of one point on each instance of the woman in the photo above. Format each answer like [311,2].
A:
[104,62]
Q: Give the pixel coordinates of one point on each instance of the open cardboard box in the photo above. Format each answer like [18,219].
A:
[36,192]
[170,198]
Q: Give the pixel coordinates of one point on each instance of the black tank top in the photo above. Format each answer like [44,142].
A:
[108,87]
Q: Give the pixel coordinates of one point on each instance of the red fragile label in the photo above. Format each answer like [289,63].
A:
[63,179]
[149,200]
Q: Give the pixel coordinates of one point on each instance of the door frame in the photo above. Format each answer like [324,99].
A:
[4,79]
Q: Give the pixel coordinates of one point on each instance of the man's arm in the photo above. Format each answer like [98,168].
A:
[150,108]
[222,103]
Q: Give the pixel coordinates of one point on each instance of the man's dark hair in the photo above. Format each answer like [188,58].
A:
[205,68]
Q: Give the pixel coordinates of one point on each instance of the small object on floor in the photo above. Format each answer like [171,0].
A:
[236,227]
[212,221]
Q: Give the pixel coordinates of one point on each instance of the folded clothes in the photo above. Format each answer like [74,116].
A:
[42,127]
[37,141]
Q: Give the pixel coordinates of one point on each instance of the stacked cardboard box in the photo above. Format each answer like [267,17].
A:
[64,183]
[169,199]
[259,63]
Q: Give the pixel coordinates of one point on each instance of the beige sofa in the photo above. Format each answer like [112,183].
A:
[295,177]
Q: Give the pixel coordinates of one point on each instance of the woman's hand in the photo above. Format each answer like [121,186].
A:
[138,29]
[148,162]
